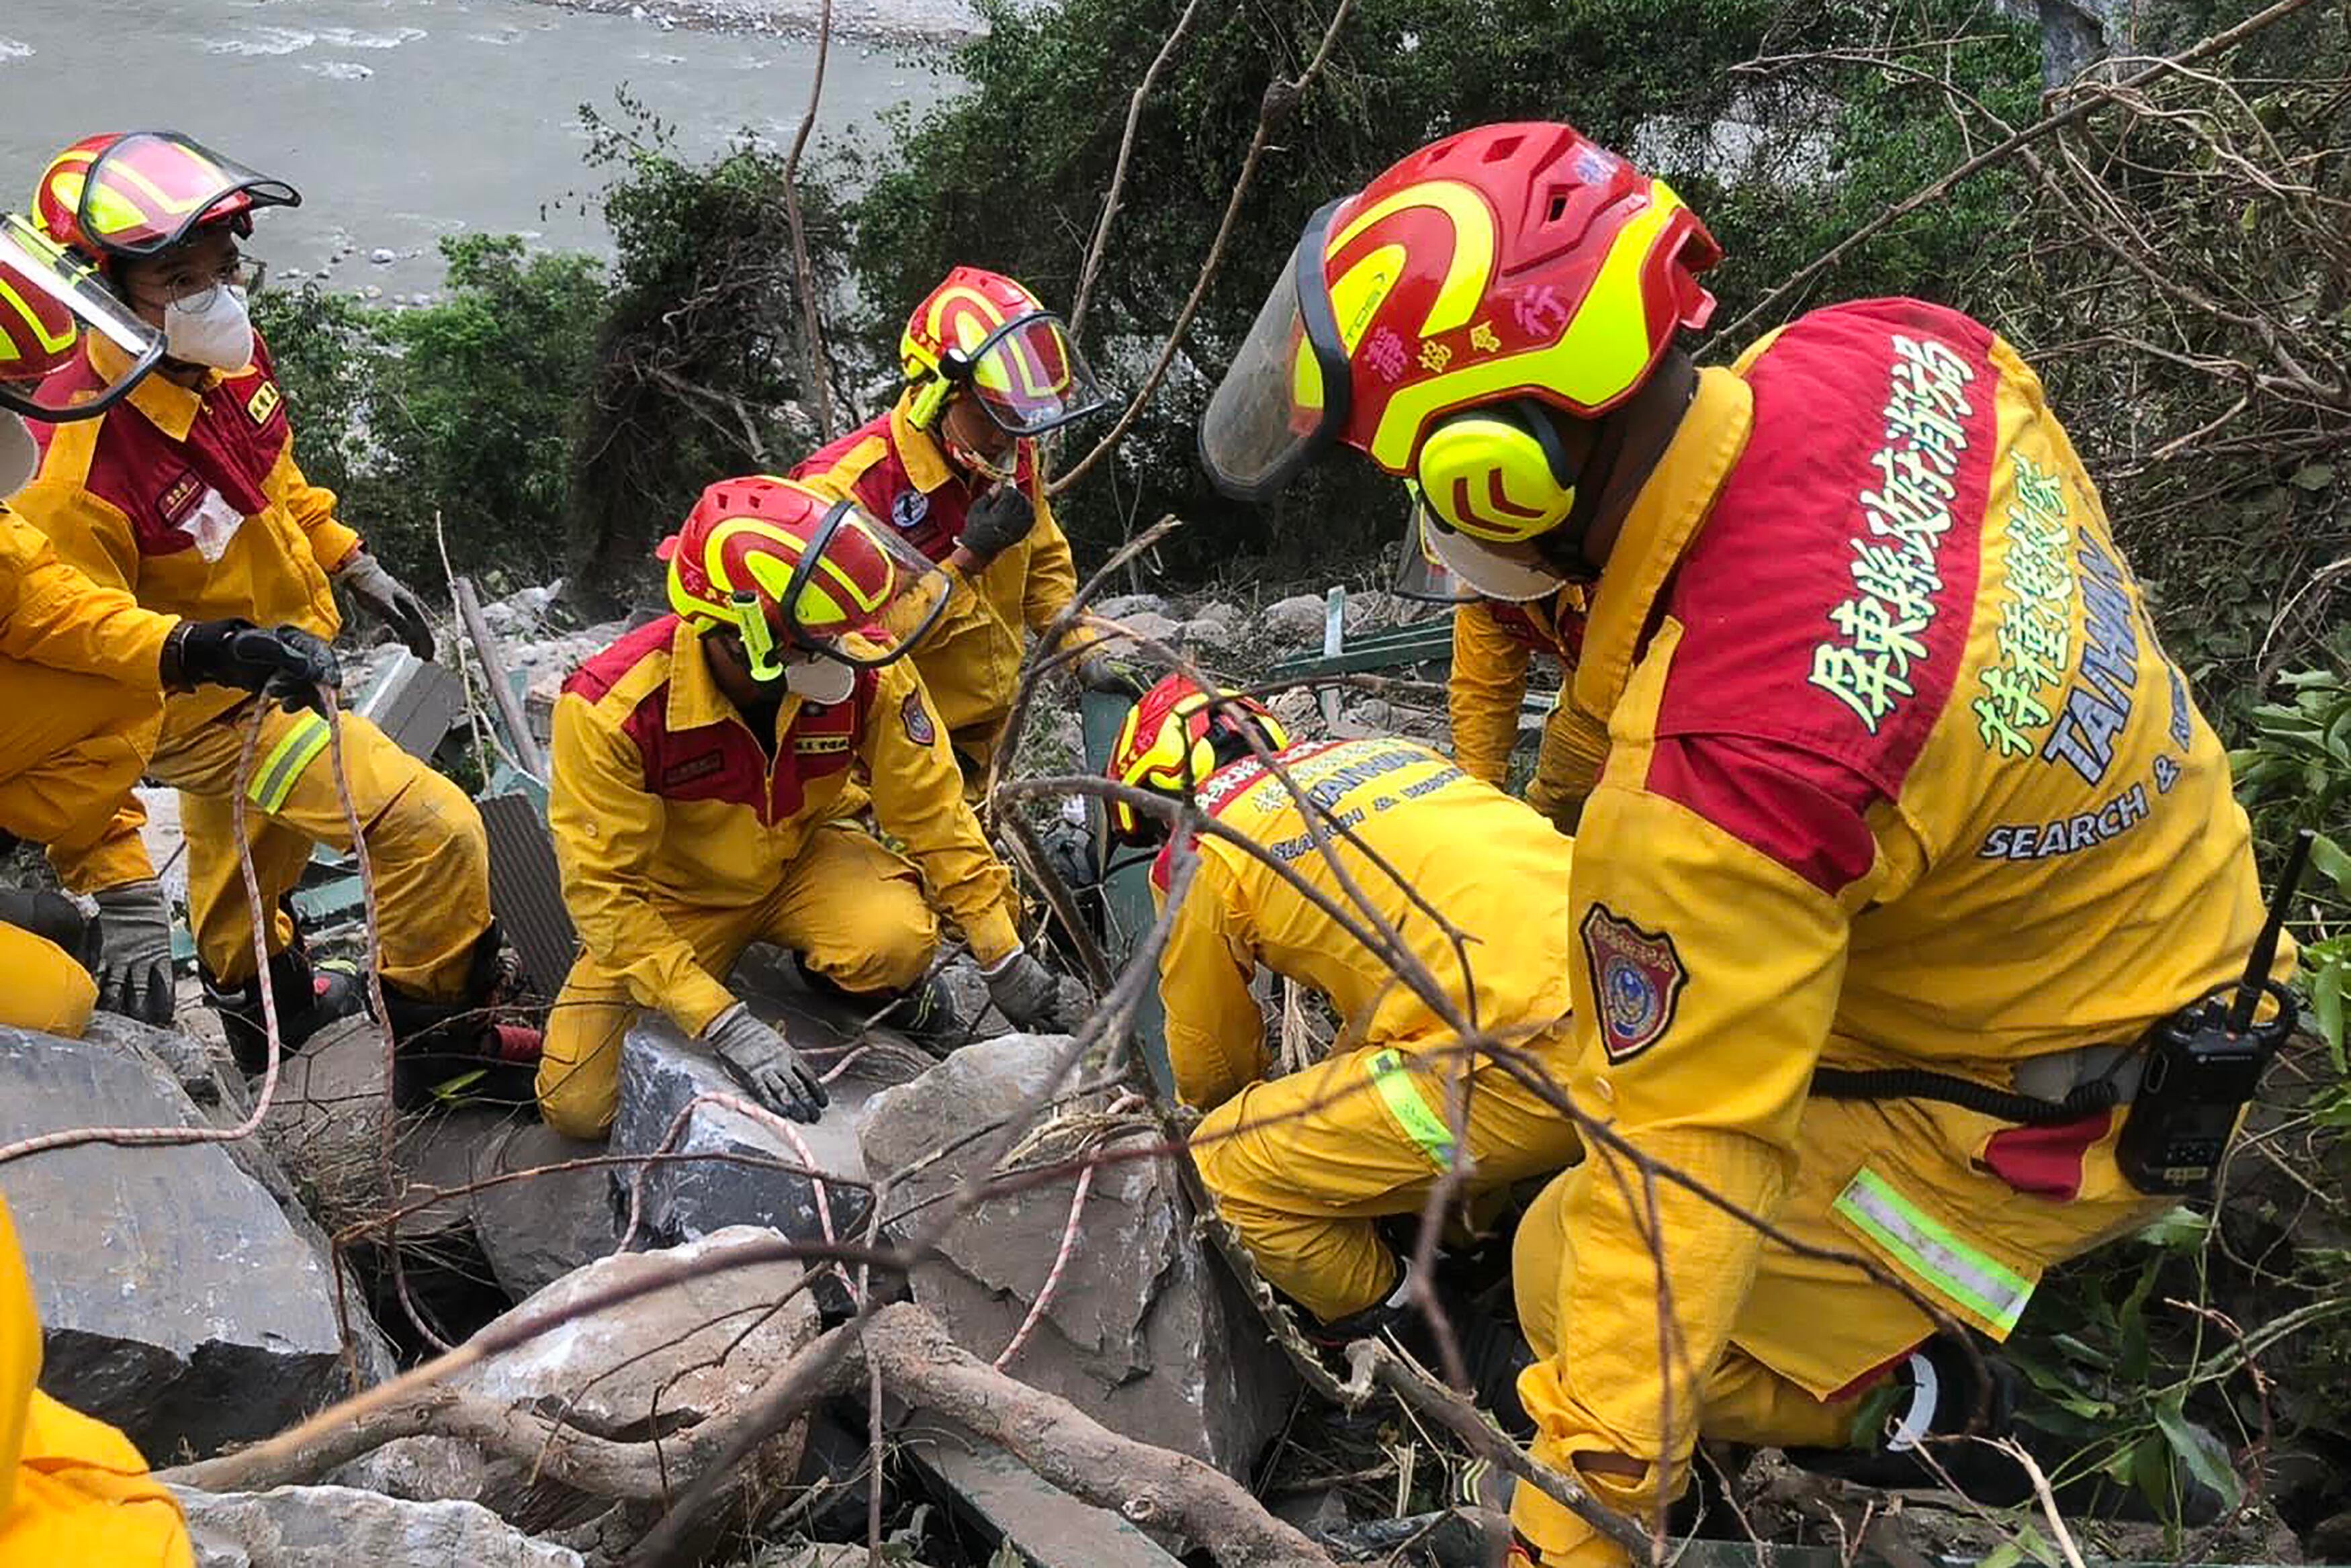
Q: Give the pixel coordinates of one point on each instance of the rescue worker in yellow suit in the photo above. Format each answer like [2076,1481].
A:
[1302,1166]
[954,468]
[1909,830]
[187,496]
[73,1491]
[83,669]
[710,769]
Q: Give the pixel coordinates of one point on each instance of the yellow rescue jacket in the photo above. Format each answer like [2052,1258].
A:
[1494,643]
[53,615]
[72,1489]
[191,501]
[1489,865]
[970,661]
[660,790]
[1899,775]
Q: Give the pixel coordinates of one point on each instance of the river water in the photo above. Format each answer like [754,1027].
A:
[403,120]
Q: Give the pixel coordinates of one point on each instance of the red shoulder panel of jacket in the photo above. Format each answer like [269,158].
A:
[930,521]
[600,672]
[1826,605]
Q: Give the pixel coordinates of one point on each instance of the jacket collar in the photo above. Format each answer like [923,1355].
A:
[169,406]
[694,701]
[919,453]
[1665,518]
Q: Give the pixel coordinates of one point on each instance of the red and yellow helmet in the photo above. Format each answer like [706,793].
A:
[981,333]
[123,195]
[1175,737]
[794,570]
[1509,265]
[47,300]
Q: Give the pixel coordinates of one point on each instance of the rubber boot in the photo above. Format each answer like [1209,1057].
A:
[1935,1393]
[445,1050]
[309,997]
[927,1014]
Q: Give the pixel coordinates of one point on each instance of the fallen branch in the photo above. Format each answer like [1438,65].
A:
[812,320]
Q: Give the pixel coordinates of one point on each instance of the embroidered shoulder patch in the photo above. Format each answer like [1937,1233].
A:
[1637,982]
[916,714]
[263,403]
[908,508]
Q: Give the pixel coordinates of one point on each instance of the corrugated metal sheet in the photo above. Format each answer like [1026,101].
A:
[526,892]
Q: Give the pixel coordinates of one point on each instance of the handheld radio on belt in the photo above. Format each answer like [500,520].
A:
[2204,1061]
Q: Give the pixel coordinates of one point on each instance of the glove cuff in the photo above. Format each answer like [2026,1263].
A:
[726,1016]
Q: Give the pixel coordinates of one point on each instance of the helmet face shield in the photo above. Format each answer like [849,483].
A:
[150,190]
[1285,395]
[1028,377]
[859,596]
[49,298]
[1421,574]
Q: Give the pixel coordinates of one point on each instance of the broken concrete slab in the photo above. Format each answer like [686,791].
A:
[1044,1524]
[537,1230]
[1146,1333]
[179,1301]
[334,1527]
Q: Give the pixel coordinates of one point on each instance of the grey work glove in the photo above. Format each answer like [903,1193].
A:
[390,598]
[134,963]
[765,1064]
[998,521]
[285,661]
[1034,998]
[53,918]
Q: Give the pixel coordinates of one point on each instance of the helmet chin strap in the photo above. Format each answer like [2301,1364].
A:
[20,457]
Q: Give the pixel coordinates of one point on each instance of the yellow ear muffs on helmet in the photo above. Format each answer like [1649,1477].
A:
[1497,472]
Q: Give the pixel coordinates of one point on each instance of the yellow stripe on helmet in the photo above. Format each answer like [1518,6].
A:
[1467,272]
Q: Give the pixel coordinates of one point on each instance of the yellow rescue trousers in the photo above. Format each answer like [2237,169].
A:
[424,839]
[851,908]
[1302,1166]
[73,1492]
[1896,1182]
[71,745]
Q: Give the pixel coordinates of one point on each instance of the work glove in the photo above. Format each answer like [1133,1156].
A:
[1101,670]
[1034,998]
[286,661]
[998,521]
[765,1064]
[54,918]
[390,600]
[134,963]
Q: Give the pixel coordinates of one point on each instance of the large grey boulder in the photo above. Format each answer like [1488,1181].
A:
[337,1527]
[1146,1333]
[738,1180]
[538,1229]
[179,1301]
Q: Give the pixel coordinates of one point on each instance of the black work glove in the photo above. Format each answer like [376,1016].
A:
[287,663]
[998,521]
[1098,671]
[390,600]
[764,1064]
[134,965]
[54,918]
[1032,997]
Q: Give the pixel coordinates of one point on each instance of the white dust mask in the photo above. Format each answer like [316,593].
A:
[18,456]
[218,333]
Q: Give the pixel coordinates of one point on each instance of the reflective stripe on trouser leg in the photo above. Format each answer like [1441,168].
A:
[273,779]
[1392,1076]
[1983,1285]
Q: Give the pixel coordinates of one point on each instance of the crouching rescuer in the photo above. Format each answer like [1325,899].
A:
[185,494]
[1305,1164]
[710,773]
[1911,859]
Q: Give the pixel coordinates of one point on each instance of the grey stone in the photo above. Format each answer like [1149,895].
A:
[1217,636]
[1224,612]
[537,1229]
[1145,1332]
[1044,1524]
[326,1120]
[1118,607]
[1151,624]
[662,1360]
[421,1469]
[179,1301]
[382,257]
[1368,609]
[213,1082]
[1297,619]
[335,1527]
